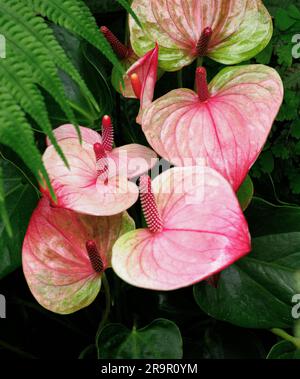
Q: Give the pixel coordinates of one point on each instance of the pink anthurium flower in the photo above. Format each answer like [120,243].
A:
[224,124]
[65,254]
[97,181]
[228,31]
[141,73]
[141,77]
[196,228]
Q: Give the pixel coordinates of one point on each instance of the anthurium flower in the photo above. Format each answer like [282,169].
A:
[228,31]
[224,124]
[196,228]
[96,182]
[141,73]
[141,78]
[65,254]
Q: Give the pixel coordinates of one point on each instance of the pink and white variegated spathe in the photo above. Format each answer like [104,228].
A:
[196,228]
[141,73]
[65,255]
[228,31]
[97,181]
[223,125]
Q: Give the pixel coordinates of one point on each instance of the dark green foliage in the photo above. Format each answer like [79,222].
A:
[257,291]
[281,156]
[160,339]
[20,198]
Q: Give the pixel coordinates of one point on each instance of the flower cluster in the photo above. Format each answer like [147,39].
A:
[213,135]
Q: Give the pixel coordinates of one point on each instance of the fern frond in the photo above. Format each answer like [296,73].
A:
[15,78]
[22,43]
[34,59]
[75,16]
[3,213]
[128,8]
[16,133]
[40,32]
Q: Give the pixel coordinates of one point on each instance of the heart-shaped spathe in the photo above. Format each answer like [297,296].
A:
[228,31]
[196,229]
[224,125]
[97,181]
[65,254]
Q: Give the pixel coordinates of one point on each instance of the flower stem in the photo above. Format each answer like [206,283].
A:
[297,329]
[200,61]
[106,312]
[179,79]
[16,350]
[283,334]
[87,350]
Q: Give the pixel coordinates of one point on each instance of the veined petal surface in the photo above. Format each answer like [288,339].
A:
[204,231]
[227,132]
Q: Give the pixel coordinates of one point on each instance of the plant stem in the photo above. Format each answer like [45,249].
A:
[106,312]
[88,349]
[22,172]
[14,349]
[117,298]
[283,334]
[297,329]
[77,108]
[179,79]
[200,61]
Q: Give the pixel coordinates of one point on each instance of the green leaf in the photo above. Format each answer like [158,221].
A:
[125,4]
[283,21]
[273,5]
[295,181]
[289,110]
[291,78]
[75,16]
[223,341]
[22,32]
[284,350]
[295,129]
[284,54]
[3,211]
[245,193]
[16,133]
[42,34]
[19,82]
[281,151]
[20,198]
[293,11]
[267,162]
[103,6]
[265,218]
[79,53]
[257,291]
[159,340]
[264,57]
[95,74]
